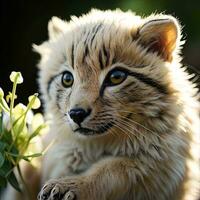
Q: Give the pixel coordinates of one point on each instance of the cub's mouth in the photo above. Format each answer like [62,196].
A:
[84,131]
[98,131]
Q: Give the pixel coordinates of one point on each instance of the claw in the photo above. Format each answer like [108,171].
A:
[55,193]
[69,196]
[42,196]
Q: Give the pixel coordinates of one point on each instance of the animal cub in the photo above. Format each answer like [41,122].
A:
[125,116]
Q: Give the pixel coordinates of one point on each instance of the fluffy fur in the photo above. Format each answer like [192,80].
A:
[148,146]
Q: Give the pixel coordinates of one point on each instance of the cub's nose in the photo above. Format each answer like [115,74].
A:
[78,114]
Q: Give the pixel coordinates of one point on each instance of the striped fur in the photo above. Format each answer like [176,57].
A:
[145,144]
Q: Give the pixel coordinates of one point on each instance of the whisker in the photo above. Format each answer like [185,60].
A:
[125,124]
[131,112]
[149,130]
[121,128]
[164,144]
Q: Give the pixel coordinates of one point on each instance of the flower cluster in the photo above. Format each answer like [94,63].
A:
[19,132]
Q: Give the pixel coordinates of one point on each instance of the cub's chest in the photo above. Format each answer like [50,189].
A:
[78,157]
[75,157]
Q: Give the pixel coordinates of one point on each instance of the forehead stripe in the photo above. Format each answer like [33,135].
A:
[72,56]
[85,54]
[101,60]
[95,32]
[107,55]
[149,81]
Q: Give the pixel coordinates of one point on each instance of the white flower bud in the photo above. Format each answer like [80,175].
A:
[16,76]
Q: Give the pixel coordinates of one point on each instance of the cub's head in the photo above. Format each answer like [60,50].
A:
[108,71]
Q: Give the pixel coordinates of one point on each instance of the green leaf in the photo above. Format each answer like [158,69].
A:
[14,150]
[26,159]
[37,131]
[15,153]
[3,182]
[33,155]
[3,145]
[1,123]
[18,156]
[13,181]
[6,168]
[2,159]
[7,137]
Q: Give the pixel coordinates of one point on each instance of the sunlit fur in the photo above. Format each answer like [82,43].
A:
[152,150]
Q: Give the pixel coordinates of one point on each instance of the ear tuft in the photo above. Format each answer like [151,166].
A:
[55,27]
[36,48]
[161,36]
[42,49]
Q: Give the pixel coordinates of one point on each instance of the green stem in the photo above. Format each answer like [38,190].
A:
[13,97]
[15,137]
[25,187]
[1,125]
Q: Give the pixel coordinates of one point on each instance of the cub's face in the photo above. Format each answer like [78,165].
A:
[107,72]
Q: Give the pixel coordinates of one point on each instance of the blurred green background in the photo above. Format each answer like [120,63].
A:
[24,22]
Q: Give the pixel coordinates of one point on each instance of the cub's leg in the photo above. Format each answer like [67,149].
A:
[109,179]
[119,179]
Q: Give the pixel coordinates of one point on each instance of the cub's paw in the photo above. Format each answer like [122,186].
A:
[64,189]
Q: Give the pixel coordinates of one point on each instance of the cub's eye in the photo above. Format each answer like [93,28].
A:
[67,79]
[116,77]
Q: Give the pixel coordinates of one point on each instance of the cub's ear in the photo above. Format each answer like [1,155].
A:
[161,36]
[55,27]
